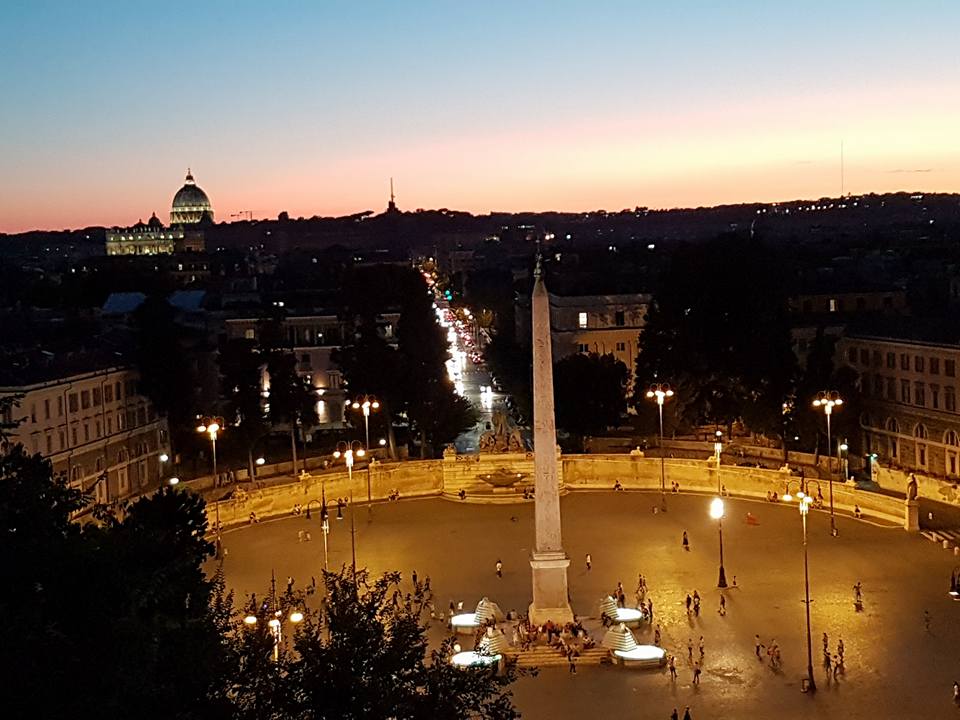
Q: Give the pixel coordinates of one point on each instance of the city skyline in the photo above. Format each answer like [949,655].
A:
[563,107]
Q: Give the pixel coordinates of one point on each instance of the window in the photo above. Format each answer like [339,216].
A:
[86,432]
[807,306]
[893,445]
[935,397]
[876,358]
[74,403]
[73,435]
[85,399]
[892,360]
[141,416]
[864,356]
[109,424]
[920,433]
[918,363]
[583,347]
[852,356]
[949,399]
[130,388]
[96,397]
[865,385]
[49,439]
[117,388]
[905,391]
[891,389]
[952,441]
[60,406]
[46,409]
[621,347]
[582,319]
[76,473]
[832,304]
[121,425]
[619,318]
[142,472]
[878,386]
[934,366]
[250,334]
[62,439]
[99,430]
[124,479]
[861,303]
[108,394]
[904,361]
[950,368]
[919,395]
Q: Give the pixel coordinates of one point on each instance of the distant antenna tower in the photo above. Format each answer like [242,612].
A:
[841,169]
[392,205]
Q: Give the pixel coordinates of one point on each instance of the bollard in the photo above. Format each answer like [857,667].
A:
[946,544]
[956,550]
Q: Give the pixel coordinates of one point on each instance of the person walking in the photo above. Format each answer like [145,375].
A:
[926,620]
[686,714]
[589,562]
[696,603]
[686,541]
[696,673]
[758,646]
[723,605]
[676,716]
[650,608]
[656,636]
[413,576]
[956,693]
[690,649]
[673,668]
[836,666]
[573,665]
[840,648]
[700,646]
[689,603]
[826,642]
[499,568]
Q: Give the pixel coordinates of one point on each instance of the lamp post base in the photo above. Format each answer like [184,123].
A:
[722,582]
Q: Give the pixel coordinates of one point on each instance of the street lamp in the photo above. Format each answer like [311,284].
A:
[353,535]
[211,426]
[349,451]
[366,403]
[845,456]
[717,449]
[828,400]
[804,500]
[716,512]
[324,521]
[275,624]
[660,392]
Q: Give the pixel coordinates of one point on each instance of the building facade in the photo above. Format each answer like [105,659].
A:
[313,338]
[909,387]
[602,324]
[95,428]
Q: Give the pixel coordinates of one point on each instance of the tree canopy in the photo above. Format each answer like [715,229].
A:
[718,332]
[589,392]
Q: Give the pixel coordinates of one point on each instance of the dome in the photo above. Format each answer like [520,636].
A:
[190,204]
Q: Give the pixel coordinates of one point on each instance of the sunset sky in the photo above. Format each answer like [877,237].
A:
[310,107]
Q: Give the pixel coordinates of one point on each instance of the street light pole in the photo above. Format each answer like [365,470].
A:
[661,392]
[716,511]
[828,400]
[718,449]
[804,508]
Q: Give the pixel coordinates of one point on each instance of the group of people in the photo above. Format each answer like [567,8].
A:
[833,662]
[772,651]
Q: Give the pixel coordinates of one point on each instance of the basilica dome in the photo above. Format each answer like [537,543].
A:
[190,205]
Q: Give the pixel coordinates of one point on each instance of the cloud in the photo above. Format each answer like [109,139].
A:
[908,170]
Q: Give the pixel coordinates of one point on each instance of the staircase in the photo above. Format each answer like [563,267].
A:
[542,656]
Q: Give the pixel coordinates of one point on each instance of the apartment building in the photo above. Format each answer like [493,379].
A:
[909,388]
[92,424]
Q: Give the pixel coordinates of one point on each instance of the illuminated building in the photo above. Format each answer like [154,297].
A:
[189,213]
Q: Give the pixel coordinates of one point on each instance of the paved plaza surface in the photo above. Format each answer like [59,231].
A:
[895,668]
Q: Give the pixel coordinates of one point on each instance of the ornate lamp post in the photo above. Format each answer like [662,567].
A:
[211,426]
[805,501]
[324,522]
[827,400]
[349,451]
[716,512]
[660,392]
[718,449]
[366,403]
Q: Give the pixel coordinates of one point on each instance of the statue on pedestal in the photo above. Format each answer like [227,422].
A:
[503,436]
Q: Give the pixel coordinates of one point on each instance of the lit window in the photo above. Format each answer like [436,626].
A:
[582,319]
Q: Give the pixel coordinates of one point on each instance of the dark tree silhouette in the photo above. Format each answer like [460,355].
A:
[589,392]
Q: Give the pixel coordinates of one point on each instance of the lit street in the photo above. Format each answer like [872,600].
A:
[458,544]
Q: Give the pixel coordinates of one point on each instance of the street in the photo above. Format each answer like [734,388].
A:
[458,544]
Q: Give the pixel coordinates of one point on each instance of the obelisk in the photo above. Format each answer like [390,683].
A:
[549,562]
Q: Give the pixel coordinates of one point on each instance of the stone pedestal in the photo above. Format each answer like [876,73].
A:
[550,600]
[911,516]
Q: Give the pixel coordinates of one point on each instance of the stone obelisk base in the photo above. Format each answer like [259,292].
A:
[550,599]
[911,516]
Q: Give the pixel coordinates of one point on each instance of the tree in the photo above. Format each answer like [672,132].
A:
[718,332]
[99,618]
[293,400]
[365,657]
[589,392]
[241,367]
[162,356]
[512,365]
